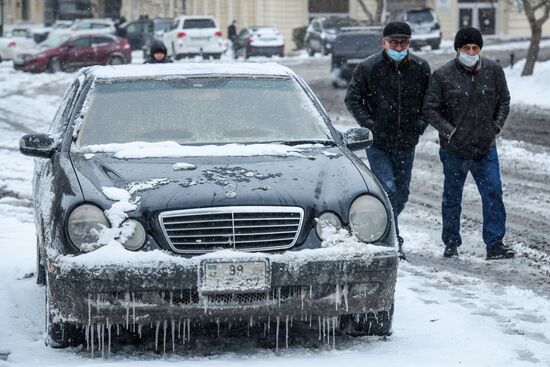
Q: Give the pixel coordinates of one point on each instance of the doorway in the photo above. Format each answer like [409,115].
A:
[481,15]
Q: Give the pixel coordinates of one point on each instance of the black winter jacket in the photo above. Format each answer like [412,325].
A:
[387,98]
[470,105]
[158,46]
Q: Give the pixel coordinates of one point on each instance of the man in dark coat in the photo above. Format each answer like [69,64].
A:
[158,54]
[467,102]
[385,94]
[232,36]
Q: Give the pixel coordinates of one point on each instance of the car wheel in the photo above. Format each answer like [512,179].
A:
[378,324]
[310,51]
[245,53]
[61,335]
[217,56]
[116,60]
[335,85]
[54,65]
[435,46]
[324,50]
[205,57]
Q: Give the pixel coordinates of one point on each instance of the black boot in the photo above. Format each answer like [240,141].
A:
[500,251]
[400,241]
[450,251]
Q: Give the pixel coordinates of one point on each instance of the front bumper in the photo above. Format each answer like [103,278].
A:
[33,66]
[123,294]
[265,50]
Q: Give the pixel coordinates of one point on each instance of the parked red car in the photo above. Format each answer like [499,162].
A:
[72,52]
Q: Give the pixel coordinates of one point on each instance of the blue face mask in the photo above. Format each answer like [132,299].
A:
[397,56]
[467,60]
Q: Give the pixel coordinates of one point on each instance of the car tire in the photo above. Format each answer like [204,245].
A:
[61,335]
[40,268]
[370,324]
[435,46]
[310,51]
[324,50]
[245,53]
[54,65]
[115,60]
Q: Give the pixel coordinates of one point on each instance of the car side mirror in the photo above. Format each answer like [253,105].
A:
[38,145]
[357,138]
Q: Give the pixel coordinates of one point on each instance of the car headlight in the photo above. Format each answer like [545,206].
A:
[84,224]
[135,238]
[326,224]
[368,218]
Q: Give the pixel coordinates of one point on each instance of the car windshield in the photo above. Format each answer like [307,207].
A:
[419,17]
[54,41]
[366,43]
[162,25]
[337,23]
[201,111]
[19,33]
[199,23]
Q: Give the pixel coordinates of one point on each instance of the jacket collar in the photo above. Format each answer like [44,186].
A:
[474,70]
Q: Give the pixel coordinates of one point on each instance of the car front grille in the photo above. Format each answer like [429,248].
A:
[250,228]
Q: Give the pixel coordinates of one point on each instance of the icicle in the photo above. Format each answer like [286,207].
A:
[183,339]
[117,329]
[108,338]
[139,330]
[251,321]
[302,296]
[98,337]
[334,319]
[310,319]
[87,336]
[218,324]
[134,311]
[345,292]
[89,308]
[92,339]
[291,319]
[127,303]
[173,336]
[286,333]
[268,324]
[277,334]
[188,330]
[179,327]
[164,326]
[327,319]
[157,335]
[337,293]
[171,298]
[279,296]
[310,291]
[97,300]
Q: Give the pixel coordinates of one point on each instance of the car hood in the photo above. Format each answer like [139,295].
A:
[323,179]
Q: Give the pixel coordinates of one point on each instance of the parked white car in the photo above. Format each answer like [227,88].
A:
[259,41]
[95,26]
[16,40]
[194,35]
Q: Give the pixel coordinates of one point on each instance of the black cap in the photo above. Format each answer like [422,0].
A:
[397,29]
[468,35]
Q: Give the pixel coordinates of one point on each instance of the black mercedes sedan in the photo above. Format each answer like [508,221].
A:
[172,196]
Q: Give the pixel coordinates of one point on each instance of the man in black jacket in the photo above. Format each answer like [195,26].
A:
[385,94]
[158,54]
[467,102]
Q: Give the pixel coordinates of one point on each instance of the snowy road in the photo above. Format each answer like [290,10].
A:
[460,312]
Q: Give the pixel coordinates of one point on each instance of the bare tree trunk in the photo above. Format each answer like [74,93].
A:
[531,7]
[379,10]
[366,11]
[532,52]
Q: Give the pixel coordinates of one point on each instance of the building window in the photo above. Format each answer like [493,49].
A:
[480,14]
[328,7]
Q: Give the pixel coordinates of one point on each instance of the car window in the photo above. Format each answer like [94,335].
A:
[84,25]
[201,111]
[199,23]
[101,41]
[175,24]
[419,17]
[244,33]
[316,26]
[54,41]
[162,25]
[99,25]
[134,28]
[337,23]
[81,42]
[60,119]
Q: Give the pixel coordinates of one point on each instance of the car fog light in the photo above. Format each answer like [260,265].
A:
[368,218]
[84,225]
[136,240]
[327,224]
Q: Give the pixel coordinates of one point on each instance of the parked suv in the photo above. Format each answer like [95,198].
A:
[194,35]
[424,26]
[350,48]
[141,32]
[260,41]
[164,197]
[322,32]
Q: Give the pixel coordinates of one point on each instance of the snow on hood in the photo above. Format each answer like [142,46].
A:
[185,69]
[173,149]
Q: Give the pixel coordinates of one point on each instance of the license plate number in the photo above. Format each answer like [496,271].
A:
[235,276]
[200,38]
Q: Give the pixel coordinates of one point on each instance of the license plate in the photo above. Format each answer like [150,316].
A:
[220,276]
[19,61]
[200,38]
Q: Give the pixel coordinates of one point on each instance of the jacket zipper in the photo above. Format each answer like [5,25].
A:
[475,107]
[398,109]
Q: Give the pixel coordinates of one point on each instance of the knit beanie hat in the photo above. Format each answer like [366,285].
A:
[468,35]
[397,29]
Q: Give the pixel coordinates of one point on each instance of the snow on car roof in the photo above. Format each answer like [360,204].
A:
[184,69]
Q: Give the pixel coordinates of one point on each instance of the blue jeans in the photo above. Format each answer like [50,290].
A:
[394,173]
[486,174]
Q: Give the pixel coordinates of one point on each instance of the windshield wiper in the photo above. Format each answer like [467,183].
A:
[313,141]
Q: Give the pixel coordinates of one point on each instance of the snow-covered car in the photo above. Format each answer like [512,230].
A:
[86,26]
[191,36]
[425,27]
[17,40]
[322,32]
[260,41]
[160,201]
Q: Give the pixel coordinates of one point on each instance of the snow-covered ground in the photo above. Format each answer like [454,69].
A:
[442,318]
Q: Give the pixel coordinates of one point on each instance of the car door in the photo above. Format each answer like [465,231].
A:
[80,53]
[242,41]
[134,34]
[103,48]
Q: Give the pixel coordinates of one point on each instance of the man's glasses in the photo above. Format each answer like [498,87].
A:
[395,43]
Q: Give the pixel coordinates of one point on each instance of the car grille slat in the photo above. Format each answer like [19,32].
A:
[251,228]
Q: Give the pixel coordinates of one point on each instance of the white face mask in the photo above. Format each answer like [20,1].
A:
[467,60]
